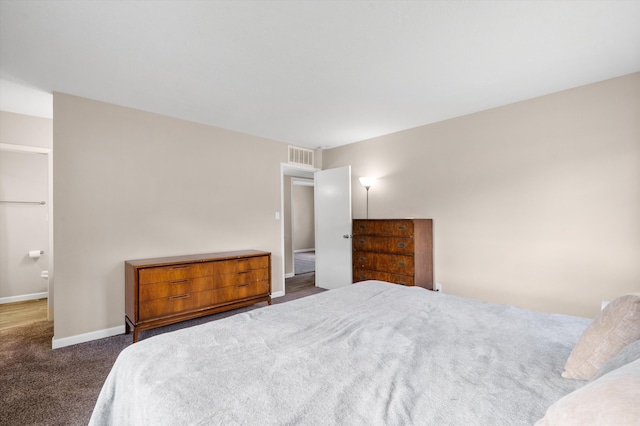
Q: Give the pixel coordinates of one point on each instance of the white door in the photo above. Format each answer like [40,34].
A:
[333,227]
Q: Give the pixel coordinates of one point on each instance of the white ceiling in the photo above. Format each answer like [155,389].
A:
[314,73]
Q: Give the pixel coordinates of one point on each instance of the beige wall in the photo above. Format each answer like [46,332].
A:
[303,217]
[130,184]
[18,129]
[535,204]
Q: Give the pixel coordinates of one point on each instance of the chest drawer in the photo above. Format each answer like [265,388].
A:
[398,245]
[395,264]
[363,275]
[396,227]
[174,272]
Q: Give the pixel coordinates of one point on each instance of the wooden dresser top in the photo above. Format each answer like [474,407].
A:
[192,258]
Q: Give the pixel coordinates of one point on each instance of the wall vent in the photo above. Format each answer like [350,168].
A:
[301,156]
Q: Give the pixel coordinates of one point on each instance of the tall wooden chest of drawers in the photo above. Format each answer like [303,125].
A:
[166,290]
[399,251]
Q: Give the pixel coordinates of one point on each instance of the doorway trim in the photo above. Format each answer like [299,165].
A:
[49,153]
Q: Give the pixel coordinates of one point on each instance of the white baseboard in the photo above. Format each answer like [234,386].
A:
[23,297]
[289,275]
[86,337]
[303,250]
[108,332]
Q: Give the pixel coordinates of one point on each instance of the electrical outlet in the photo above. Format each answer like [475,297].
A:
[437,287]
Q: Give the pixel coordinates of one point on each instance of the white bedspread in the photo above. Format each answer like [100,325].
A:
[369,354]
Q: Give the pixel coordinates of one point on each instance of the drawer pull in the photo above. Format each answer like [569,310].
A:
[402,264]
[362,276]
[402,245]
[180,267]
[362,242]
[242,285]
[402,227]
[362,226]
[362,259]
[180,296]
[179,282]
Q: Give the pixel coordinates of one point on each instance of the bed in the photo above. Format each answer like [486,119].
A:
[372,353]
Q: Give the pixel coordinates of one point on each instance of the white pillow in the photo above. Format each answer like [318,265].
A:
[613,399]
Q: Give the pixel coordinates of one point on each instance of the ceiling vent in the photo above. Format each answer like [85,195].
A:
[300,156]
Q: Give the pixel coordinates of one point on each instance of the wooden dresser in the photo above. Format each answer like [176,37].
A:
[166,290]
[399,251]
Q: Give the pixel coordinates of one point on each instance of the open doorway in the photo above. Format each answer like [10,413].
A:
[25,254]
[303,225]
[302,235]
[26,228]
[298,223]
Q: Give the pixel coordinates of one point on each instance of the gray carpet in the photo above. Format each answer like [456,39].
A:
[304,262]
[41,386]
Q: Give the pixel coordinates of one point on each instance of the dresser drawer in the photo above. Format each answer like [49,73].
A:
[172,288]
[174,304]
[192,301]
[159,290]
[396,245]
[240,291]
[175,272]
[246,277]
[395,264]
[363,275]
[397,227]
[240,265]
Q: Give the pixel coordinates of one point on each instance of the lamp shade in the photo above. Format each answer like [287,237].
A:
[367,182]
